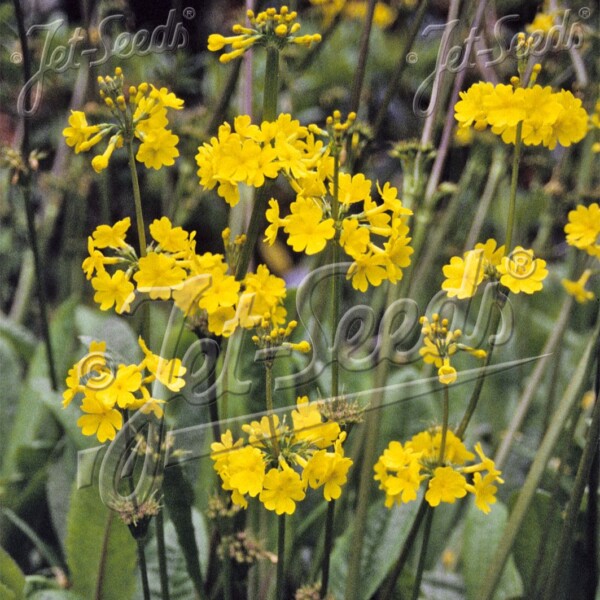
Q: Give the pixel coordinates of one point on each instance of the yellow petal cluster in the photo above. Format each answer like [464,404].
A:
[108,390]
[278,463]
[546,117]
[402,468]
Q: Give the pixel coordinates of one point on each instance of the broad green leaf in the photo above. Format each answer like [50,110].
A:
[20,338]
[12,580]
[179,500]
[180,584]
[32,422]
[101,553]
[99,326]
[538,535]
[12,378]
[38,587]
[385,532]
[481,537]
[62,336]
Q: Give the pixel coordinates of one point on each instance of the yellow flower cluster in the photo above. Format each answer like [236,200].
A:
[583,232]
[383,15]
[439,344]
[199,284]
[546,117]
[142,115]
[520,271]
[279,463]
[249,154]
[401,469]
[108,391]
[269,27]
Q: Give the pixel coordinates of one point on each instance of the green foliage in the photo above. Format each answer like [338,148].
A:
[12,580]
[100,550]
[385,534]
[481,537]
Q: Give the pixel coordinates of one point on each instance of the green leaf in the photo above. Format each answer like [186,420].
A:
[101,553]
[385,532]
[180,584]
[99,326]
[20,338]
[31,424]
[538,534]
[481,537]
[62,336]
[12,580]
[12,379]
[179,500]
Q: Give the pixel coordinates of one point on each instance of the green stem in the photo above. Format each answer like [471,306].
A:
[270,94]
[269,397]
[271,89]
[327,547]
[445,411]
[512,202]
[581,479]
[476,393]
[143,568]
[335,374]
[280,587]
[25,186]
[162,555]
[137,200]
[423,554]
[363,52]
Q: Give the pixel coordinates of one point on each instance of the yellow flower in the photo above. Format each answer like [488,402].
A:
[166,98]
[282,489]
[354,238]
[267,291]
[447,373]
[100,419]
[327,469]
[158,149]
[368,269]
[246,470]
[105,236]
[583,228]
[577,288]
[79,130]
[521,272]
[463,275]
[542,109]
[352,188]
[571,124]
[126,382]
[112,290]
[100,162]
[469,109]
[158,274]
[504,106]
[309,426]
[308,231]
[446,485]
[399,472]
[169,238]
[484,490]
[169,372]
[541,23]
[223,291]
[272,216]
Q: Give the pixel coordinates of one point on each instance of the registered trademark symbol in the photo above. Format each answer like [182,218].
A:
[412,58]
[16,58]
[585,12]
[189,13]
